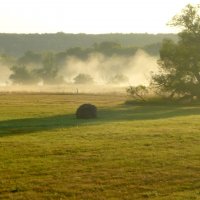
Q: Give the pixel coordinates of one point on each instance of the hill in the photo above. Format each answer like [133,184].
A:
[18,44]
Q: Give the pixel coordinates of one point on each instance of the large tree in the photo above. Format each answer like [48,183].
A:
[180,61]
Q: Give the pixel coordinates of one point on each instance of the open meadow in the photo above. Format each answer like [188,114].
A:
[128,152]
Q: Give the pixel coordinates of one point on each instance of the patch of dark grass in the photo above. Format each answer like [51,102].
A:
[158,101]
[105,115]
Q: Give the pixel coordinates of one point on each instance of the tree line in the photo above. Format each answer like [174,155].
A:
[179,61]
[33,67]
[18,44]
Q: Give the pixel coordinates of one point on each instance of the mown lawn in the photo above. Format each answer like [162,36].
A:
[128,152]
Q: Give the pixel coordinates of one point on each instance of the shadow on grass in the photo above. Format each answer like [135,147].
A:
[31,125]
[120,113]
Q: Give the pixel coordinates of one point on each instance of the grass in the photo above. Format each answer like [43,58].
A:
[128,152]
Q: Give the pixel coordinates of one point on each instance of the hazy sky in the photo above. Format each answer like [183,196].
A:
[88,16]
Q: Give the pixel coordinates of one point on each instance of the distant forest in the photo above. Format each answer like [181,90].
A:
[18,44]
[60,58]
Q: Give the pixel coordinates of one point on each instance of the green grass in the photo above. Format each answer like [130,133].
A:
[128,152]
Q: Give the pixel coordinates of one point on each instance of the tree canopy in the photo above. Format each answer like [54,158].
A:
[180,62]
[18,44]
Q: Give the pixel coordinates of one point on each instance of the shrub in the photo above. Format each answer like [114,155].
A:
[83,79]
[138,92]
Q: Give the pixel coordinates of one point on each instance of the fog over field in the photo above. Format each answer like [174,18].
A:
[4,75]
[103,69]
[96,72]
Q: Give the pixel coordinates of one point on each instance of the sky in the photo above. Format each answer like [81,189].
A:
[89,16]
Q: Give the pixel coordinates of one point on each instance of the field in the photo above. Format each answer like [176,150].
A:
[128,152]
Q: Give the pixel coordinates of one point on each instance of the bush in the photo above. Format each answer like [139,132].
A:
[86,111]
[83,79]
[139,92]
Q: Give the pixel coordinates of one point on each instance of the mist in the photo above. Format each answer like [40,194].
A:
[96,73]
[137,68]
[4,75]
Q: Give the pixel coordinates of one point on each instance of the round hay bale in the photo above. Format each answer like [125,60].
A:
[86,111]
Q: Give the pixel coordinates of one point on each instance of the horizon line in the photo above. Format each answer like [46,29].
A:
[84,33]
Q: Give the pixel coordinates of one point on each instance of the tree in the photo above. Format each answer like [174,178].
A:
[108,48]
[83,79]
[30,58]
[180,62]
[21,75]
[49,72]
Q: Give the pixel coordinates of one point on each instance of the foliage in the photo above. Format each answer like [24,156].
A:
[30,57]
[32,68]
[49,71]
[45,55]
[83,79]
[21,75]
[180,62]
[153,49]
[40,64]
[18,44]
[7,60]
[138,92]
